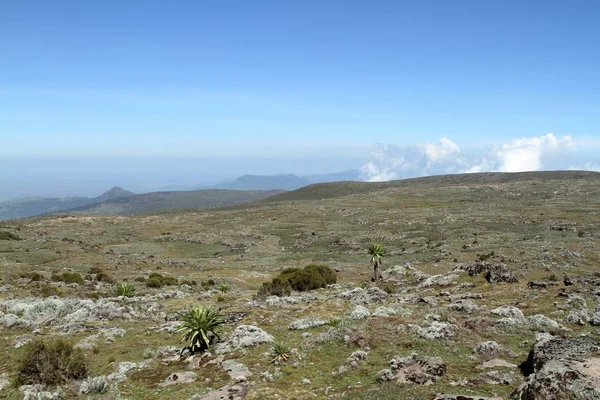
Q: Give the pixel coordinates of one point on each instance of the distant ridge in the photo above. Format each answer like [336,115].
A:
[113,194]
[265,182]
[340,189]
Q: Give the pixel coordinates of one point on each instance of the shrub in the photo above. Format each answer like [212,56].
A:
[189,283]
[157,280]
[104,277]
[140,279]
[33,276]
[223,288]
[306,279]
[4,235]
[50,363]
[68,277]
[277,287]
[200,327]
[327,273]
[125,289]
[208,283]
[49,290]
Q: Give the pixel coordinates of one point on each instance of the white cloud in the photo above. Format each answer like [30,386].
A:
[547,152]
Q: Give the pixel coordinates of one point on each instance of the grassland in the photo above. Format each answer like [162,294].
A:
[541,225]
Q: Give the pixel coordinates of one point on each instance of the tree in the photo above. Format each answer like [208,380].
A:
[376,252]
[200,327]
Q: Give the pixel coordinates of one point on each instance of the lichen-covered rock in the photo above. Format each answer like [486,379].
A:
[371,295]
[509,311]
[493,273]
[437,330]
[94,385]
[237,371]
[466,305]
[244,336]
[540,322]
[439,280]
[559,368]
[403,272]
[356,358]
[178,378]
[577,317]
[414,368]
[489,349]
[306,323]
[384,312]
[39,392]
[359,312]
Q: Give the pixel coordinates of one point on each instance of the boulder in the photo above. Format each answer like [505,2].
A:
[414,368]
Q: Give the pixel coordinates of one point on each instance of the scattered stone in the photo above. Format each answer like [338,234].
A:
[372,295]
[540,284]
[578,317]
[540,322]
[244,336]
[439,280]
[414,368]
[306,381]
[236,370]
[403,271]
[509,311]
[441,396]
[496,363]
[306,323]
[235,392]
[359,312]
[356,358]
[180,378]
[437,330]
[384,312]
[489,349]
[94,385]
[22,340]
[466,306]
[37,392]
[559,368]
[430,301]
[493,273]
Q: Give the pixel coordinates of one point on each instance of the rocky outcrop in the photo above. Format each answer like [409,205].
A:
[244,336]
[414,368]
[559,368]
[494,273]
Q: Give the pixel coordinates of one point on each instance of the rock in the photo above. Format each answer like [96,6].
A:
[559,368]
[496,363]
[595,320]
[403,271]
[441,396]
[306,381]
[439,280]
[235,392]
[4,381]
[37,392]
[22,340]
[542,323]
[577,317]
[372,295]
[540,284]
[430,301]
[359,312]
[236,370]
[180,378]
[466,306]
[414,368]
[306,323]
[437,330]
[384,312]
[509,311]
[356,358]
[244,336]
[493,273]
[167,352]
[489,349]
[94,385]
[499,377]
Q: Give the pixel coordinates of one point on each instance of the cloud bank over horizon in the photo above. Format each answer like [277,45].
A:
[548,152]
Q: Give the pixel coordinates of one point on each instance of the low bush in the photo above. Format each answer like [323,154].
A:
[277,287]
[50,363]
[4,235]
[68,277]
[208,283]
[33,276]
[156,280]
[124,289]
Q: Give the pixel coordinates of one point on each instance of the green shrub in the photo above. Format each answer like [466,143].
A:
[223,288]
[327,273]
[49,290]
[68,277]
[306,279]
[140,279]
[50,363]
[124,289]
[208,283]
[277,287]
[104,277]
[4,235]
[156,280]
[33,276]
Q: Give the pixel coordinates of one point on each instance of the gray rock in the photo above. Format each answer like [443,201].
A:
[94,385]
[306,323]
[559,368]
[542,323]
[439,280]
[489,349]
[466,305]
[414,368]
[356,358]
[236,370]
[577,317]
[441,396]
[403,272]
[22,340]
[179,378]
[371,295]
[509,311]
[496,363]
[430,301]
[38,392]
[244,336]
[437,330]
[235,392]
[384,312]
[359,312]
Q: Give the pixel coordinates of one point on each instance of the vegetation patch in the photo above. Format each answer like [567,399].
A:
[5,235]
[68,277]
[50,363]
[156,280]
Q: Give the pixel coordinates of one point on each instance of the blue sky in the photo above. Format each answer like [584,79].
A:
[295,78]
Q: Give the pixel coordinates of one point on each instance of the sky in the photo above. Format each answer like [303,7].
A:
[383,83]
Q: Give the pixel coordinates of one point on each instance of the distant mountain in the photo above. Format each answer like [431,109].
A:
[265,182]
[163,201]
[285,181]
[29,207]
